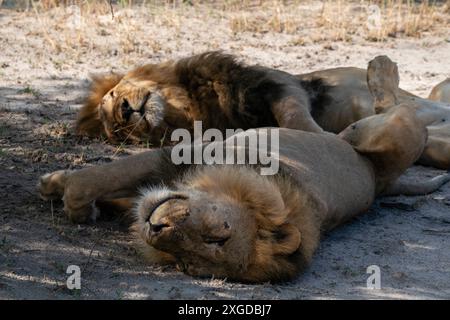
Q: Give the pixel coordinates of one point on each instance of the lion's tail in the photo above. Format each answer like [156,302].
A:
[409,188]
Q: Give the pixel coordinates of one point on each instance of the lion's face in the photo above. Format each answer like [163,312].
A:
[237,233]
[207,236]
[134,110]
[144,105]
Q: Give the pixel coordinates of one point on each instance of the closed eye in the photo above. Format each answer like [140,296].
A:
[217,241]
[127,111]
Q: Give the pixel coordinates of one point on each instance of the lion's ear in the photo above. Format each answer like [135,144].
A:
[88,120]
[288,239]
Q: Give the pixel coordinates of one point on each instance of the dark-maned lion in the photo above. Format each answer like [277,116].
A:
[147,103]
[228,221]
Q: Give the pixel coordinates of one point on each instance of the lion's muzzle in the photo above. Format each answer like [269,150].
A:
[165,218]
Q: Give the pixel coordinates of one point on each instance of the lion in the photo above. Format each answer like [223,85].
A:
[149,102]
[229,221]
[350,94]
[441,92]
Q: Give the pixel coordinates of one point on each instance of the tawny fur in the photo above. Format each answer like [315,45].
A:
[441,92]
[211,87]
[229,221]
[346,95]
[88,120]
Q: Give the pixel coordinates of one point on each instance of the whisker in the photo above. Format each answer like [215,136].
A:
[129,134]
[126,127]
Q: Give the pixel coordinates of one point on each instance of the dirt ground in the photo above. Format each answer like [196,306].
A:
[45,62]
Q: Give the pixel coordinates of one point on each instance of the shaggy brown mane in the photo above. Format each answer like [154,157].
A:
[88,121]
[226,93]
[228,221]
[280,250]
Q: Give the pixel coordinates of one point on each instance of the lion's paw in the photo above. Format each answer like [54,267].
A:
[51,185]
[85,214]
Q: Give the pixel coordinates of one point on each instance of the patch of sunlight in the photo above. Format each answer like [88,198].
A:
[42,280]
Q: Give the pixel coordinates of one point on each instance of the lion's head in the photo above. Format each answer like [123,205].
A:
[224,222]
[146,104]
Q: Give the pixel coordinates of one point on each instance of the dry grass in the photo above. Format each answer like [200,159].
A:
[75,27]
[373,20]
[340,20]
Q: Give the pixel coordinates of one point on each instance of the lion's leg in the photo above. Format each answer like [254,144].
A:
[436,154]
[51,185]
[441,92]
[120,208]
[293,111]
[117,179]
[383,81]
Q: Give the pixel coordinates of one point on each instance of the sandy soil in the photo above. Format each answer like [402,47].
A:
[44,68]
